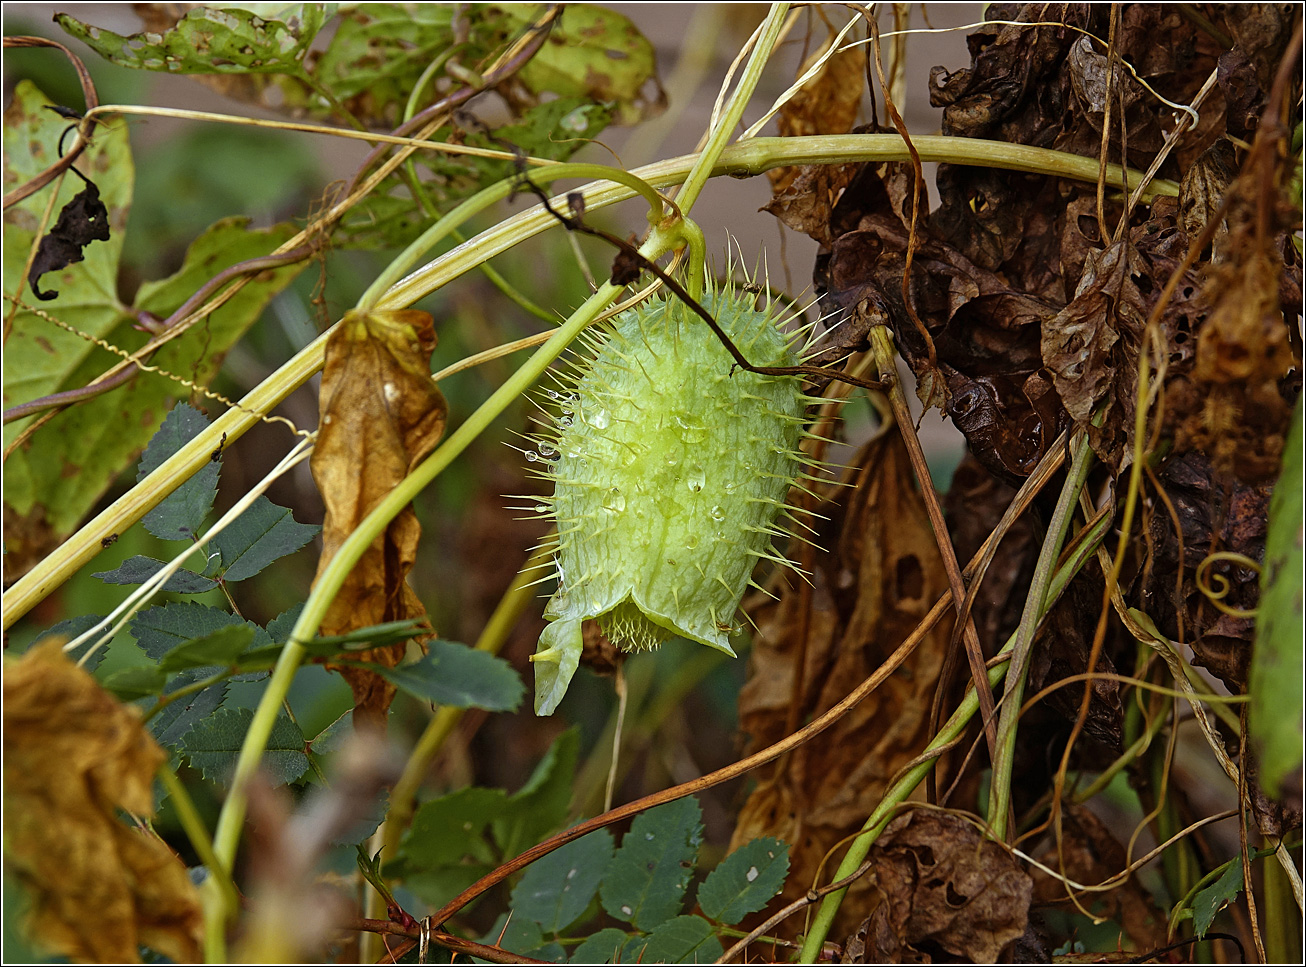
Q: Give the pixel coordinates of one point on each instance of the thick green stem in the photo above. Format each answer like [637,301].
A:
[1035,608]
[897,794]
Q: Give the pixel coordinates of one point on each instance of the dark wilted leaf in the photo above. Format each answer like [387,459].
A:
[73,760]
[381,415]
[82,221]
[944,883]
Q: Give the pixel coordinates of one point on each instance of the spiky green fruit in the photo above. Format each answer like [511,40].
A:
[672,465]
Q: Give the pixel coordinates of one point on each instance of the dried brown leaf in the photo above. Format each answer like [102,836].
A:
[944,886]
[73,759]
[381,416]
[880,580]
[826,104]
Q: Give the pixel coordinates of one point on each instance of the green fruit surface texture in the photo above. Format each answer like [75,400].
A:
[671,466]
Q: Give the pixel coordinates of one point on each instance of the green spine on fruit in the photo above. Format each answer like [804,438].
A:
[670,466]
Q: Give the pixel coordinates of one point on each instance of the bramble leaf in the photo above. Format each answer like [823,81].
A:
[455,675]
[646,880]
[220,647]
[603,947]
[180,516]
[540,806]
[745,881]
[213,745]
[259,536]
[680,940]
[1216,897]
[160,629]
[556,889]
[73,628]
[138,569]
[180,716]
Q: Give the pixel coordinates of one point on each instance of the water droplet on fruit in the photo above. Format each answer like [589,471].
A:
[532,456]
[716,513]
[547,451]
[541,508]
[600,420]
[615,500]
[695,478]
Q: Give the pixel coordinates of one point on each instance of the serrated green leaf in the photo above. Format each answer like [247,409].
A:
[138,569]
[680,940]
[214,743]
[516,935]
[220,647]
[180,516]
[646,880]
[259,536]
[1216,897]
[1275,680]
[455,675]
[280,627]
[603,947]
[211,41]
[181,715]
[373,636]
[446,830]
[540,806]
[74,628]
[745,881]
[556,889]
[135,681]
[160,629]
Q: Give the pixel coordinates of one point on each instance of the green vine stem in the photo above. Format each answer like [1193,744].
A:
[751,158]
[1035,607]
[897,794]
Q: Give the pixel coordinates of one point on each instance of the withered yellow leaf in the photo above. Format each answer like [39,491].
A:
[381,415]
[73,757]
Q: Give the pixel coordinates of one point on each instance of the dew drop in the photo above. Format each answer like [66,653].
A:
[672,459]
[553,394]
[531,456]
[691,541]
[600,420]
[695,479]
[564,422]
[547,451]
[716,513]
[615,500]
[541,508]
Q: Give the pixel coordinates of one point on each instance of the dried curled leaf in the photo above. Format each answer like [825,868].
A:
[73,759]
[381,416]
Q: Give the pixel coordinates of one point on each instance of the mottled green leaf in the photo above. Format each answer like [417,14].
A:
[745,881]
[556,889]
[453,674]
[259,536]
[138,569]
[181,514]
[646,880]
[382,48]
[1217,896]
[1275,682]
[208,40]
[213,744]
[680,940]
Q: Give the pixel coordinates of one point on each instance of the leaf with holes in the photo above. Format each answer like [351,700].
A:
[646,880]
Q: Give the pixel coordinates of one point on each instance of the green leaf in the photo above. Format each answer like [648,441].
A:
[180,716]
[135,681]
[259,536]
[681,940]
[138,569]
[455,675]
[517,935]
[74,628]
[180,516]
[646,881]
[211,41]
[1275,680]
[745,881]
[382,48]
[280,627]
[449,830]
[597,53]
[213,744]
[160,629]
[556,889]
[219,647]
[1217,896]
[603,947]
[540,806]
